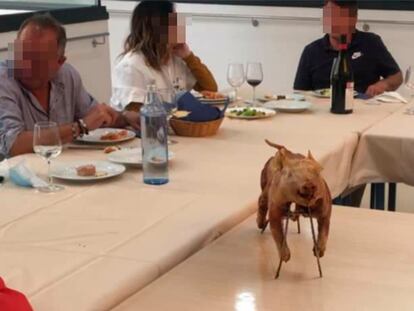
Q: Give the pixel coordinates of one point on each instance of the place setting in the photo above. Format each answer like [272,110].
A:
[102,138]
[289,103]
[249,109]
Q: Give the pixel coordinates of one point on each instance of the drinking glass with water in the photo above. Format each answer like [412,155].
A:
[47,144]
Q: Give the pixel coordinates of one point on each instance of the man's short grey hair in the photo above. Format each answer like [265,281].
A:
[46,21]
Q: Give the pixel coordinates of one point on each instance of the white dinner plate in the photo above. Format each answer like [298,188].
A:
[95,136]
[267,113]
[131,157]
[104,170]
[288,105]
[218,101]
[295,97]
[324,93]
[221,101]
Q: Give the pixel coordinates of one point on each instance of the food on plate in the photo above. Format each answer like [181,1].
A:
[115,135]
[325,92]
[111,149]
[275,97]
[86,170]
[212,95]
[248,112]
[157,160]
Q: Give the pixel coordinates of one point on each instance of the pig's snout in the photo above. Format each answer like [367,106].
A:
[307,191]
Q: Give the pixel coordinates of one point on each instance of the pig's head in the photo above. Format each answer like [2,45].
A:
[300,178]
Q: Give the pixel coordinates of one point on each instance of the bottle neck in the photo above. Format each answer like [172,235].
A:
[343,47]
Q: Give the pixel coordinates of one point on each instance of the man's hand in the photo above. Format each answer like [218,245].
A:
[100,115]
[132,118]
[181,50]
[377,88]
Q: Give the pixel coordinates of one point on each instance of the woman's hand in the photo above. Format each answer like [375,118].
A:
[181,50]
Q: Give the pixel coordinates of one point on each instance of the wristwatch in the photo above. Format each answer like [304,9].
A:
[75,132]
[83,127]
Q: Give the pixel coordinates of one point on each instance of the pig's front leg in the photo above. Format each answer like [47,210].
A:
[276,213]
[323,232]
[261,218]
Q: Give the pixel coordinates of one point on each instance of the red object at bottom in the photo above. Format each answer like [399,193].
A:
[11,300]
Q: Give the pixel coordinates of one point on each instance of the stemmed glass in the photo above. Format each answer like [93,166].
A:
[235,76]
[254,77]
[409,84]
[47,144]
[169,100]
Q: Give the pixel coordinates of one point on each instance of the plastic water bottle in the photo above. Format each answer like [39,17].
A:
[154,134]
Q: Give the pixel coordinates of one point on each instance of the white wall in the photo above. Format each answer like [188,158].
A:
[93,63]
[276,43]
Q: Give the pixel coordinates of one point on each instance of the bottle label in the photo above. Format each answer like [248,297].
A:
[349,96]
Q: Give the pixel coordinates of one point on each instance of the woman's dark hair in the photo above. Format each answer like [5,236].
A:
[149,31]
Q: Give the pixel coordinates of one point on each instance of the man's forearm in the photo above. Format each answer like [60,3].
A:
[394,82]
[24,141]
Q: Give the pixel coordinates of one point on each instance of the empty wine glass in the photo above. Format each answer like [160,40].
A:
[254,77]
[235,76]
[47,144]
[169,100]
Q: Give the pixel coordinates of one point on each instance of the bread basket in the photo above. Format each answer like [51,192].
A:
[195,129]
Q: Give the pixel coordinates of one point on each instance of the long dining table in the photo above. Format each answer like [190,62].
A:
[385,152]
[367,266]
[93,245]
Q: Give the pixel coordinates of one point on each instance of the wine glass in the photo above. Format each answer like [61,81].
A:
[235,76]
[169,99]
[409,84]
[254,77]
[47,144]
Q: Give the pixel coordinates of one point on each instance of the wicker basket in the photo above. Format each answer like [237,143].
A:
[195,129]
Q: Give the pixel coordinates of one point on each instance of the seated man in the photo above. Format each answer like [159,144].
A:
[37,86]
[375,70]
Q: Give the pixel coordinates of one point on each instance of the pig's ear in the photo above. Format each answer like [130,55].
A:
[284,158]
[318,167]
[310,156]
[280,158]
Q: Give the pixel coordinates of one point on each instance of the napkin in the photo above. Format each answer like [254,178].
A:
[390,97]
[11,300]
[199,112]
[23,176]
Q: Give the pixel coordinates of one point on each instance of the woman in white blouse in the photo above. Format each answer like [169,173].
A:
[155,50]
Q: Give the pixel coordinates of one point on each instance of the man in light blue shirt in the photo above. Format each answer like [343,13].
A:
[37,85]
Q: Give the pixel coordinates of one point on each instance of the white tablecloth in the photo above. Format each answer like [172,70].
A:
[386,152]
[92,245]
[367,266]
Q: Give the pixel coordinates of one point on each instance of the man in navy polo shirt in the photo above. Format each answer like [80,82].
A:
[375,70]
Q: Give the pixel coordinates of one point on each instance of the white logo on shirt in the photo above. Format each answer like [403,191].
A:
[356,55]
